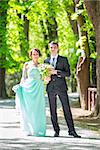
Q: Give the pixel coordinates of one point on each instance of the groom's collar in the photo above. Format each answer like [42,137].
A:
[54,56]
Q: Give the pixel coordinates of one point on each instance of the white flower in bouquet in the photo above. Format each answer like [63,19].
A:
[45,71]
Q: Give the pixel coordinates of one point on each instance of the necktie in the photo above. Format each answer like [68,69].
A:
[53,62]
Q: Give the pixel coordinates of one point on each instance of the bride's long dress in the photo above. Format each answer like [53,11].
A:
[30,95]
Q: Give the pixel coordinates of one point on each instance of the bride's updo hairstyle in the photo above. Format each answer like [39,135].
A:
[37,50]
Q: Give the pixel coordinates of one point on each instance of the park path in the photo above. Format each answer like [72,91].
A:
[11,137]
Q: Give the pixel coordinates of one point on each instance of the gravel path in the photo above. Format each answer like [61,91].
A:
[12,138]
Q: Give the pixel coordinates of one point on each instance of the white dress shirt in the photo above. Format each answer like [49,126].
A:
[53,60]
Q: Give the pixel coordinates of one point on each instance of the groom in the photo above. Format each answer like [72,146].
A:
[58,86]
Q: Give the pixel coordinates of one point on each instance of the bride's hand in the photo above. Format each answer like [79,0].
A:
[47,79]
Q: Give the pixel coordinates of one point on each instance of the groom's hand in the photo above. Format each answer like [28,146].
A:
[53,71]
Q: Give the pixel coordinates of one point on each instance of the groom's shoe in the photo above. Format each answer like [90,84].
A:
[56,134]
[74,134]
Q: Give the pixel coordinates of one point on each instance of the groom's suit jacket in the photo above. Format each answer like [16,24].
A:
[58,81]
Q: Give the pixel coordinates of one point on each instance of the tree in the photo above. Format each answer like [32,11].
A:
[3,46]
[93,9]
[83,63]
[24,25]
[70,9]
[49,26]
[51,21]
[41,19]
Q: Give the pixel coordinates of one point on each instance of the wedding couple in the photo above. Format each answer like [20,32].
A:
[31,94]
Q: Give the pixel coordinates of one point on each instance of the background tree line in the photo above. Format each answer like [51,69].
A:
[25,24]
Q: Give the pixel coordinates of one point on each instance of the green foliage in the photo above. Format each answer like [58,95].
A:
[14,46]
[87,27]
[93,55]
[18,45]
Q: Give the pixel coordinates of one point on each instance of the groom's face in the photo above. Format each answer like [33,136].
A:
[53,49]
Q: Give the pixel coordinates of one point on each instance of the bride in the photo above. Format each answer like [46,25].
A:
[30,94]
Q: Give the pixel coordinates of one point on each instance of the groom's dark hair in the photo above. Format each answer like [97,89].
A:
[53,43]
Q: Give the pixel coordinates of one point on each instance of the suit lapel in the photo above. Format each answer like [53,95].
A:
[57,63]
[48,60]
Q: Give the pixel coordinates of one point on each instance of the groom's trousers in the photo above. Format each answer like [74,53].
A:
[63,96]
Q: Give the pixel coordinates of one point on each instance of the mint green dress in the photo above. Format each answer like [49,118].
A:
[30,95]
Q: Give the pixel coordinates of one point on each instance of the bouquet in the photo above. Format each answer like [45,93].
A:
[45,72]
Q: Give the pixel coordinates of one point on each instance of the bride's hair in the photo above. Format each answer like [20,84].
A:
[37,50]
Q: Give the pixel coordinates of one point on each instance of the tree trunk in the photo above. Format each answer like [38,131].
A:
[70,9]
[26,30]
[93,9]
[2,84]
[83,81]
[52,29]
[94,76]
[3,46]
[24,36]
[73,23]
[97,29]
[45,36]
[83,63]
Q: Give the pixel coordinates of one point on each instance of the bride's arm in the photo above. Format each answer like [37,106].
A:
[24,72]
